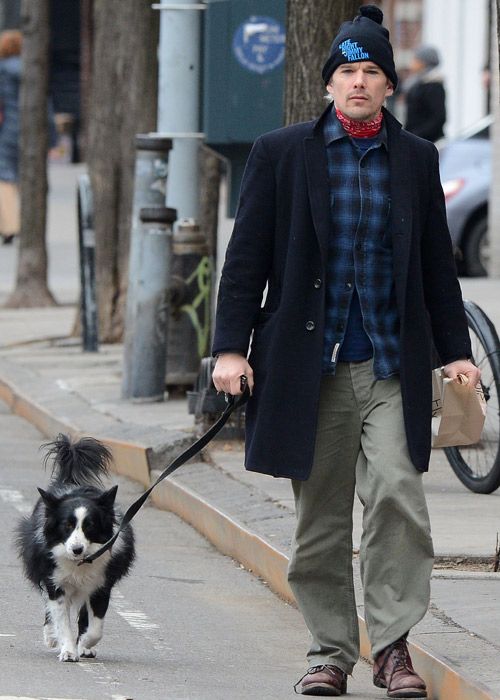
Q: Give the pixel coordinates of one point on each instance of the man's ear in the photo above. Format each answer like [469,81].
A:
[389,89]
[49,499]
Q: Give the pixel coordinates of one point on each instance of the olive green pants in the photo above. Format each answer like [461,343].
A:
[360,445]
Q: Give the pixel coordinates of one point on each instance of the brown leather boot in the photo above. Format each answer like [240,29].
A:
[393,670]
[322,680]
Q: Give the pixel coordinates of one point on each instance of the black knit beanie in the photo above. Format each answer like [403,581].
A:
[363,39]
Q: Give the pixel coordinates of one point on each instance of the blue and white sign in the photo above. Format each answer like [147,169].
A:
[259,44]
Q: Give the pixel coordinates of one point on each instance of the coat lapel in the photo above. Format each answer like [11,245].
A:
[318,187]
[401,199]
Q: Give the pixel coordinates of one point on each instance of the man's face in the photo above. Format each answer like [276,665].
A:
[416,65]
[359,89]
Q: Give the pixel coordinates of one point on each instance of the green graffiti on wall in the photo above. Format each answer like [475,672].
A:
[199,309]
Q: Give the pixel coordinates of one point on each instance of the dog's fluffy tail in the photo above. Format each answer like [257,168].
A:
[80,463]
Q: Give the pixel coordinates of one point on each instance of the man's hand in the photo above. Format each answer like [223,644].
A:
[228,371]
[466,367]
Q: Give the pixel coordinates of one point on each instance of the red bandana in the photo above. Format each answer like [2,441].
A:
[360,129]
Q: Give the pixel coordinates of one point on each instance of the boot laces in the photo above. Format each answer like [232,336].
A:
[315,669]
[402,659]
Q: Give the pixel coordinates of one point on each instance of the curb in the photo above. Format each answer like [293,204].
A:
[231,537]
[132,458]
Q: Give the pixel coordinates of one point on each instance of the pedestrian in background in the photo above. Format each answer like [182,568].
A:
[343,221]
[425,96]
[10,77]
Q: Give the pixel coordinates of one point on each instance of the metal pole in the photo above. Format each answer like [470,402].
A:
[150,182]
[147,347]
[179,100]
[86,241]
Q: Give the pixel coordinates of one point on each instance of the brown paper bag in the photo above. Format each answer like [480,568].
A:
[458,411]
[9,208]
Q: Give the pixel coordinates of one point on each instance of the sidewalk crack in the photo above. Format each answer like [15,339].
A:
[443,617]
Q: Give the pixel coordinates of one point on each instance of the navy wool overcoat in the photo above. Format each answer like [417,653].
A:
[280,242]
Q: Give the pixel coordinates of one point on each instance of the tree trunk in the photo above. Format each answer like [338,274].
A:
[123,102]
[311,27]
[210,176]
[31,283]
[86,43]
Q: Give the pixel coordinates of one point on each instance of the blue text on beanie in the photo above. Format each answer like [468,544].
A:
[363,39]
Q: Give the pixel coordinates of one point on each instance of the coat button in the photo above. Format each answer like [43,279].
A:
[310,326]
[317,283]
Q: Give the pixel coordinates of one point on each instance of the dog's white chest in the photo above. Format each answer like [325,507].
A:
[84,579]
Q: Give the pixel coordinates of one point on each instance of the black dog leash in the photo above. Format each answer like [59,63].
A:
[233,403]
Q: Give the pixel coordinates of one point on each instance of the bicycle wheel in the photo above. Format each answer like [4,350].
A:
[478,466]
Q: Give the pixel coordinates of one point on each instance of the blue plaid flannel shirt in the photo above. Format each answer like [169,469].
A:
[360,248]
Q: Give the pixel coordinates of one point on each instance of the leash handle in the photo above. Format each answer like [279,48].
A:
[233,403]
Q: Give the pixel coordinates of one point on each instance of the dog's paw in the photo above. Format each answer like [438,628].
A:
[67,655]
[49,638]
[87,653]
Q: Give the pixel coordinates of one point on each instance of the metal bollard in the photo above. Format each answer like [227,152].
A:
[146,338]
[86,242]
[150,185]
[189,322]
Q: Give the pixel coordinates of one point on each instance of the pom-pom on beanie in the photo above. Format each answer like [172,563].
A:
[363,39]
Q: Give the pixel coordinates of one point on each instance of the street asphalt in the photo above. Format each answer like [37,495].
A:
[46,378]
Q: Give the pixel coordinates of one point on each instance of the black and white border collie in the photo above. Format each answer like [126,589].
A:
[70,521]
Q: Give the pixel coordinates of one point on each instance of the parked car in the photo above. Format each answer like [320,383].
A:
[465,165]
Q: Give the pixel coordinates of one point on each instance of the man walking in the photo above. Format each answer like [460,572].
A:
[425,96]
[342,224]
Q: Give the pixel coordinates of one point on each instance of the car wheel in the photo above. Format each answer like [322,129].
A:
[477,249]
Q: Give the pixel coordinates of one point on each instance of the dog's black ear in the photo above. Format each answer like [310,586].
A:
[108,498]
[49,499]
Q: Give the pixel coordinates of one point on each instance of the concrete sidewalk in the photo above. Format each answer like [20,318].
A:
[45,377]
